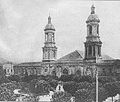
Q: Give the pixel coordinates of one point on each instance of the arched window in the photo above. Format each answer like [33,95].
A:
[94,51]
[98,29]
[59,88]
[54,53]
[88,72]
[90,29]
[65,71]
[54,73]
[98,51]
[90,50]
[104,72]
[78,72]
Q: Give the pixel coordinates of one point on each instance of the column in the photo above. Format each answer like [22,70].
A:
[92,51]
[45,37]
[100,50]
[50,54]
[96,85]
[98,29]
[87,30]
[87,51]
[43,53]
[54,54]
[95,50]
[53,37]
[93,30]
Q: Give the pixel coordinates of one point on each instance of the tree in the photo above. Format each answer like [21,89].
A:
[24,86]
[66,78]
[39,87]
[102,94]
[28,78]
[82,95]
[106,79]
[4,79]
[14,78]
[111,89]
[84,85]
[61,97]
[70,87]
[6,91]
[53,83]
[79,79]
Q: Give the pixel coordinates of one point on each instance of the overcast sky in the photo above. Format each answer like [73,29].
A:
[22,25]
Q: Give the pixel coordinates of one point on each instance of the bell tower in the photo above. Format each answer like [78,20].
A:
[93,43]
[49,49]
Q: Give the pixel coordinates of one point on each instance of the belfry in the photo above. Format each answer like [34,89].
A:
[93,43]
[49,49]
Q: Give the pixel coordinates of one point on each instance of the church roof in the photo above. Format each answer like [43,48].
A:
[79,55]
[106,57]
[30,64]
[75,55]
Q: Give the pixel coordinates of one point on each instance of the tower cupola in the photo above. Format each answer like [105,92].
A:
[49,26]
[49,49]
[93,17]
[93,43]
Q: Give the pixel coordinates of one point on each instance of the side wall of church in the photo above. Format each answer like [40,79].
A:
[68,68]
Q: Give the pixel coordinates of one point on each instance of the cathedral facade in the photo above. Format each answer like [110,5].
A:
[76,62]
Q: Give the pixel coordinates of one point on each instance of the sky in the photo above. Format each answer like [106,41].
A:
[22,25]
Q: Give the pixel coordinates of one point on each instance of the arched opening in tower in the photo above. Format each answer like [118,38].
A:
[90,29]
[90,50]
[98,29]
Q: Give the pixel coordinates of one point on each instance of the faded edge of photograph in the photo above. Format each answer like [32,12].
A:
[59,51]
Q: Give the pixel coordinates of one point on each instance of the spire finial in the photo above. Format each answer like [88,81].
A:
[93,9]
[49,19]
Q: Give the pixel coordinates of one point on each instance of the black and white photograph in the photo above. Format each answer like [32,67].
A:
[59,51]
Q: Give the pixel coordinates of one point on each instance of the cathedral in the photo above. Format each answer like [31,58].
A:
[77,62]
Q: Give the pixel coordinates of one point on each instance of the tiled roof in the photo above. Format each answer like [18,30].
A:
[30,64]
[79,55]
[106,57]
[75,55]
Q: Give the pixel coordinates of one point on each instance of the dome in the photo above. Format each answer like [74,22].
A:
[93,17]
[49,26]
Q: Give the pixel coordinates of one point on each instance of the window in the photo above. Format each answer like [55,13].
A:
[78,72]
[54,73]
[90,29]
[94,51]
[98,29]
[65,71]
[99,51]
[59,88]
[46,69]
[88,72]
[90,50]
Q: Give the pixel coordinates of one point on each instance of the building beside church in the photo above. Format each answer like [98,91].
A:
[76,62]
[8,67]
